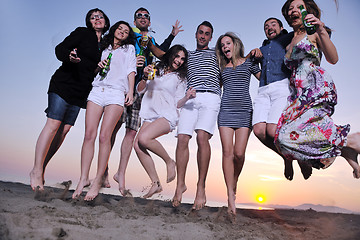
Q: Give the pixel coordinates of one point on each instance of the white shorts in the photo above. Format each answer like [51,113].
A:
[103,96]
[199,113]
[172,125]
[271,102]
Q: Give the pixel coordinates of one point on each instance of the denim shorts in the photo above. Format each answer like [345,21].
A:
[59,109]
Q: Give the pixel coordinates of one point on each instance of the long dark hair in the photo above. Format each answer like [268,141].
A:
[169,57]
[109,37]
[311,7]
[88,23]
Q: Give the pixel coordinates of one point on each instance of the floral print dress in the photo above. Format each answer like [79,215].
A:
[305,130]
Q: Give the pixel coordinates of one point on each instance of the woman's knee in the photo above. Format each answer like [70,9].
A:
[143,140]
[228,154]
[104,137]
[90,135]
[136,145]
[239,155]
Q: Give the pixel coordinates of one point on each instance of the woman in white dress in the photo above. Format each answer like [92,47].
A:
[164,95]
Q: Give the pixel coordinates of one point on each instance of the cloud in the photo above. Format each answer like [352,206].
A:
[270,178]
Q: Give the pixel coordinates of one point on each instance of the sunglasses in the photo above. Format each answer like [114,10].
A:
[96,17]
[140,15]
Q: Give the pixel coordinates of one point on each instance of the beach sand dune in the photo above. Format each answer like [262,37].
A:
[52,214]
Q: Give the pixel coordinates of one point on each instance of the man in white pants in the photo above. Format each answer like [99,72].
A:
[198,114]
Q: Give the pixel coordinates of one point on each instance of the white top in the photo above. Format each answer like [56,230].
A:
[161,97]
[123,62]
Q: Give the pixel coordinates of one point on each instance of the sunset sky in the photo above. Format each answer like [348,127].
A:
[32,29]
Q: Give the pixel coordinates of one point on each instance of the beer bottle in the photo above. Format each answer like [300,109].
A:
[105,70]
[310,29]
[143,44]
[152,73]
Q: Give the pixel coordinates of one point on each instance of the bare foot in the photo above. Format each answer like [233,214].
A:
[356,173]
[171,171]
[178,195]
[121,181]
[155,188]
[80,187]
[289,171]
[231,204]
[94,190]
[232,216]
[235,183]
[200,199]
[306,169]
[106,182]
[36,180]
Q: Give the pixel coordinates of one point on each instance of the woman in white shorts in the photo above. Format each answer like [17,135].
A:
[164,95]
[106,100]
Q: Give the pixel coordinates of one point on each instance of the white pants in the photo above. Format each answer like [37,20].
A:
[271,102]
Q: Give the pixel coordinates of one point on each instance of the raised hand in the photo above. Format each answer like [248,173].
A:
[176,28]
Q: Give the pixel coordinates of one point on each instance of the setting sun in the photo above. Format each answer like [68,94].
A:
[260,199]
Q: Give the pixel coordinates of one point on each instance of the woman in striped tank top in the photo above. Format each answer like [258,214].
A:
[234,120]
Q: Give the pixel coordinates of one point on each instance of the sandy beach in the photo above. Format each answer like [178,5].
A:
[52,214]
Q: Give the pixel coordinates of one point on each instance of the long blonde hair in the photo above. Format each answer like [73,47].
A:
[238,50]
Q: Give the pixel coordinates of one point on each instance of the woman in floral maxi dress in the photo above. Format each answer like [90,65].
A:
[306,130]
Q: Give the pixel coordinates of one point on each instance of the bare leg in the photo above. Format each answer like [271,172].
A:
[148,164]
[203,160]
[351,152]
[56,142]
[228,165]
[112,114]
[42,147]
[182,159]
[306,168]
[353,141]
[241,140]
[92,119]
[265,132]
[106,183]
[146,140]
[233,160]
[125,152]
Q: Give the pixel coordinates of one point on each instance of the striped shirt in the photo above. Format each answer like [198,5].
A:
[236,105]
[203,71]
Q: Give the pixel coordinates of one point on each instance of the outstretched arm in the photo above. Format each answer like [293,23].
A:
[175,30]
